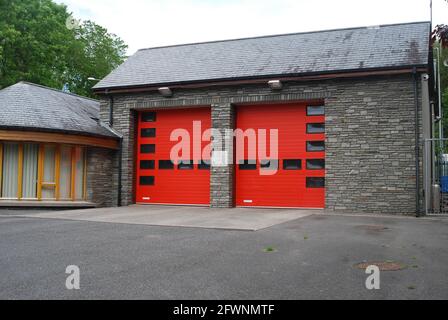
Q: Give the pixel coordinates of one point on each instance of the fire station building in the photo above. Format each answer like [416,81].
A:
[350,107]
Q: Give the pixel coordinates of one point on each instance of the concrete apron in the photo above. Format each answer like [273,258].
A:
[248,219]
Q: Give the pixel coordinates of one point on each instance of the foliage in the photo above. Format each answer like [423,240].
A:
[440,33]
[37,45]
[439,39]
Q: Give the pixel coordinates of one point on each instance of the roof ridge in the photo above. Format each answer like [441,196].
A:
[57,90]
[285,34]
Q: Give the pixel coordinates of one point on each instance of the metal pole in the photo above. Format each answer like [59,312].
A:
[439,98]
[427,193]
[439,89]
[430,6]
[433,149]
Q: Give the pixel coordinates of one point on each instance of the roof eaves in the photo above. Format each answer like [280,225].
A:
[53,130]
[277,76]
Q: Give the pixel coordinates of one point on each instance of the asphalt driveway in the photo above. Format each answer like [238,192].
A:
[308,258]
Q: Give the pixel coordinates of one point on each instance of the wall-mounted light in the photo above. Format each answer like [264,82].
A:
[275,84]
[165,91]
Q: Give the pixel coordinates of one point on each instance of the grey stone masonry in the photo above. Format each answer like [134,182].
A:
[221,177]
[370,136]
[102,176]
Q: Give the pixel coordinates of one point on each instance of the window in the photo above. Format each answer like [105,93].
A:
[146,180]
[148,148]
[48,182]
[166,164]
[79,173]
[185,165]
[204,165]
[146,164]
[292,164]
[315,146]
[315,128]
[315,110]
[247,165]
[32,171]
[148,117]
[65,175]
[148,132]
[269,164]
[29,175]
[10,170]
[315,182]
[315,164]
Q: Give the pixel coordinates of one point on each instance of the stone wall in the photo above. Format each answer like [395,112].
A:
[370,142]
[102,176]
[221,178]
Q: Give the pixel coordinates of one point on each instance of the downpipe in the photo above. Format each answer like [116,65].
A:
[120,167]
[120,151]
[417,146]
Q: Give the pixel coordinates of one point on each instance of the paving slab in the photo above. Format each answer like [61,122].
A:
[249,219]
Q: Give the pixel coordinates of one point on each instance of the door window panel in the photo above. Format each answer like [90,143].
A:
[315,128]
[315,164]
[247,165]
[315,110]
[292,164]
[313,182]
[315,146]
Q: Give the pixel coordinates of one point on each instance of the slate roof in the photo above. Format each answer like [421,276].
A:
[30,106]
[387,46]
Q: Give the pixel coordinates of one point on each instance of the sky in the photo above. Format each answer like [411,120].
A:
[152,23]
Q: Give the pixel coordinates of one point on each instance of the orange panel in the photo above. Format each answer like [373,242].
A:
[286,188]
[175,185]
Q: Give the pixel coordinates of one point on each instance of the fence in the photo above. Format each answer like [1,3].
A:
[435,176]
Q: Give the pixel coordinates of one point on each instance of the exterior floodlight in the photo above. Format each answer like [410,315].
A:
[275,84]
[165,91]
[92,79]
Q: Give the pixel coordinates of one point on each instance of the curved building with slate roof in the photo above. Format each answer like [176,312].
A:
[48,140]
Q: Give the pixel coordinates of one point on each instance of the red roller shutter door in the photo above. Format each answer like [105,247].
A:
[158,179]
[299,181]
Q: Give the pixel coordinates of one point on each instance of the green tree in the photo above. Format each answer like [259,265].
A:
[36,45]
[97,53]
[440,40]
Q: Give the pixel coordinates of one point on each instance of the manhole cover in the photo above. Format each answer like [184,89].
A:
[383,265]
[373,227]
